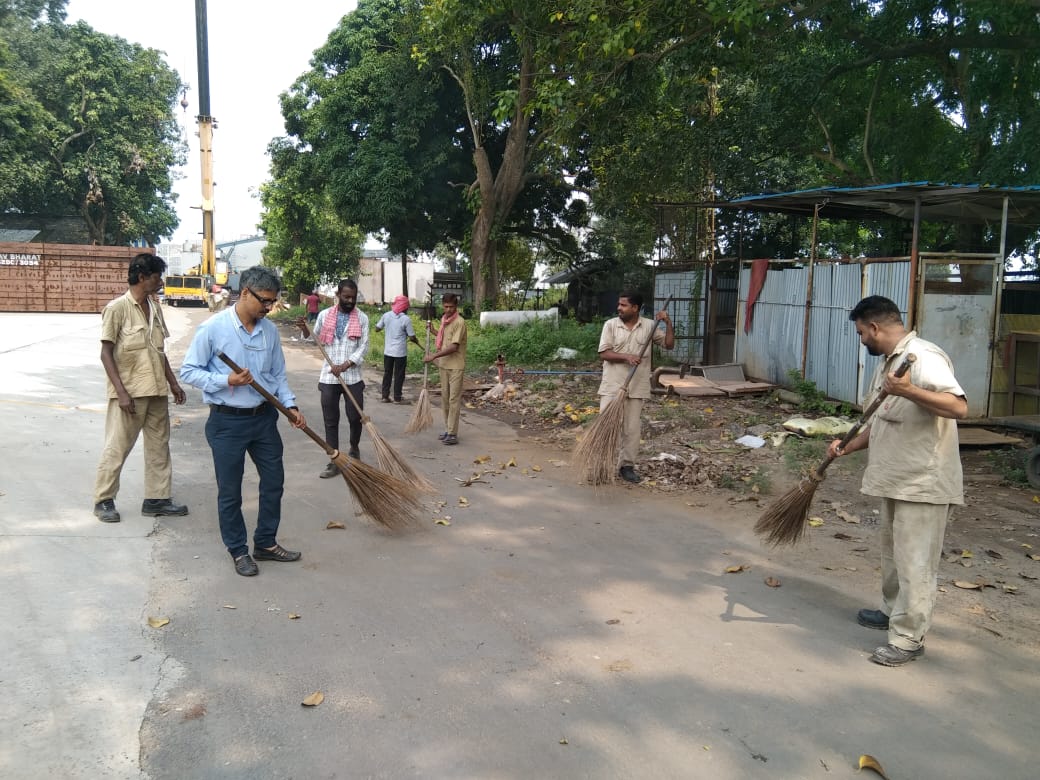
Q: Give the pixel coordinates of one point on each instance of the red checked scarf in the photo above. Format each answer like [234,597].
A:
[328,328]
[445,320]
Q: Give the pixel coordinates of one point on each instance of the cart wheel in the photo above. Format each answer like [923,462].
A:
[1033,467]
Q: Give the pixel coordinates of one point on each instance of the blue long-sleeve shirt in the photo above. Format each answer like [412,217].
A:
[259,351]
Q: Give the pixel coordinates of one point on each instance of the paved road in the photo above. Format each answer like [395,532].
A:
[549,631]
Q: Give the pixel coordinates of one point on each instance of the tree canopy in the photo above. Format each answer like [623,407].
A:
[88,126]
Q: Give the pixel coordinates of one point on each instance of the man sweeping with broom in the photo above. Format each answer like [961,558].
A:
[914,466]
[621,348]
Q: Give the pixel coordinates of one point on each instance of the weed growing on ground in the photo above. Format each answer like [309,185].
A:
[1009,463]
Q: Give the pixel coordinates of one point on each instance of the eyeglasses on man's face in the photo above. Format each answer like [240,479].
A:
[267,303]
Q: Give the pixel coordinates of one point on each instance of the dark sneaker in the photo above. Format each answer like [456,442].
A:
[872,618]
[245,566]
[276,553]
[629,474]
[401,401]
[354,453]
[890,655]
[451,438]
[443,436]
[105,511]
[159,507]
[330,471]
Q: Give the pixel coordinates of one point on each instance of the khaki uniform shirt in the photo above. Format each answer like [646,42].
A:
[138,339]
[617,338]
[454,333]
[914,454]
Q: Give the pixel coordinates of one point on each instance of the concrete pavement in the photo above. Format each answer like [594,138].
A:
[549,631]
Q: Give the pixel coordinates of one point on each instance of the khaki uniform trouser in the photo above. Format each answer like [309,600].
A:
[451,398]
[911,547]
[121,432]
[631,429]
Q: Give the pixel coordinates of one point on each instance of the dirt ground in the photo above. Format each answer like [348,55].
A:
[991,556]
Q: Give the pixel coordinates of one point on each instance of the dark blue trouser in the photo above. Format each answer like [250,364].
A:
[230,437]
[393,369]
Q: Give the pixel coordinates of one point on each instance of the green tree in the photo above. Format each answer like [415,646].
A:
[306,236]
[94,128]
[384,136]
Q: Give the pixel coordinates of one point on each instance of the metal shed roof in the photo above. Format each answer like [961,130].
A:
[940,202]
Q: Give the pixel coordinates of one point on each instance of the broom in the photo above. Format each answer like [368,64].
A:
[595,454]
[389,459]
[422,415]
[784,521]
[389,501]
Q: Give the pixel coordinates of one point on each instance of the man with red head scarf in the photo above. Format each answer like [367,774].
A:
[399,331]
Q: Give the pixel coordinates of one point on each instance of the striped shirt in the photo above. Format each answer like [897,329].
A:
[343,349]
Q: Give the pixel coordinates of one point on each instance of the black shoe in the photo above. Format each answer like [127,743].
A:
[330,471]
[890,655]
[443,436]
[158,507]
[277,553]
[629,474]
[246,566]
[105,511]
[385,399]
[451,438]
[872,618]
[401,401]
[354,453]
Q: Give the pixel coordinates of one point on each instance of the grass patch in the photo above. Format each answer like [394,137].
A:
[1010,464]
[801,455]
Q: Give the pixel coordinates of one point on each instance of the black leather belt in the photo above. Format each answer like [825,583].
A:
[240,411]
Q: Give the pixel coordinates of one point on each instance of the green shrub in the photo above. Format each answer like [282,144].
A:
[531,343]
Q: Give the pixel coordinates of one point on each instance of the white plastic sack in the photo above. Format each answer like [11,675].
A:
[831,427]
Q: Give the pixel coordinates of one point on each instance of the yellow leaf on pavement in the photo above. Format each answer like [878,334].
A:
[536,468]
[463,501]
[967,554]
[482,459]
[334,524]
[815,522]
[967,585]
[442,521]
[735,569]
[158,622]
[293,616]
[314,699]
[869,762]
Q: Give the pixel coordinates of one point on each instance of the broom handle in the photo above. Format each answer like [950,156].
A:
[646,345]
[346,388]
[426,366]
[908,361]
[329,449]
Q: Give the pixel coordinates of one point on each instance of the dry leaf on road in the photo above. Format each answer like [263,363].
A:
[158,622]
[869,762]
[772,582]
[335,524]
[314,699]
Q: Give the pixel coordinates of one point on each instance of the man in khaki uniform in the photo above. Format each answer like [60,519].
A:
[620,345]
[451,363]
[914,466]
[133,337]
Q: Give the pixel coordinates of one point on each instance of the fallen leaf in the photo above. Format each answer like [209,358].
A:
[1025,576]
[967,554]
[441,521]
[1033,557]
[334,524]
[314,699]
[848,518]
[708,410]
[293,616]
[994,554]
[815,522]
[536,468]
[772,582]
[463,501]
[967,585]
[482,459]
[735,569]
[159,622]
[563,741]
[230,606]
[613,622]
[844,537]
[1010,589]
[869,762]
[524,472]
[1027,545]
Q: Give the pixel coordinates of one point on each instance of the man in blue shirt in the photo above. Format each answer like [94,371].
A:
[399,332]
[240,420]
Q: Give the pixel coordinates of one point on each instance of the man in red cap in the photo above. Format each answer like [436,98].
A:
[399,331]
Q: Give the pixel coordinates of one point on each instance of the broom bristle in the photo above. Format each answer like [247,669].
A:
[389,501]
[784,521]
[596,453]
[394,464]
[422,415]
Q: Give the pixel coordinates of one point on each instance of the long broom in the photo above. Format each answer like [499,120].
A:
[785,519]
[422,415]
[595,454]
[391,502]
[391,461]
